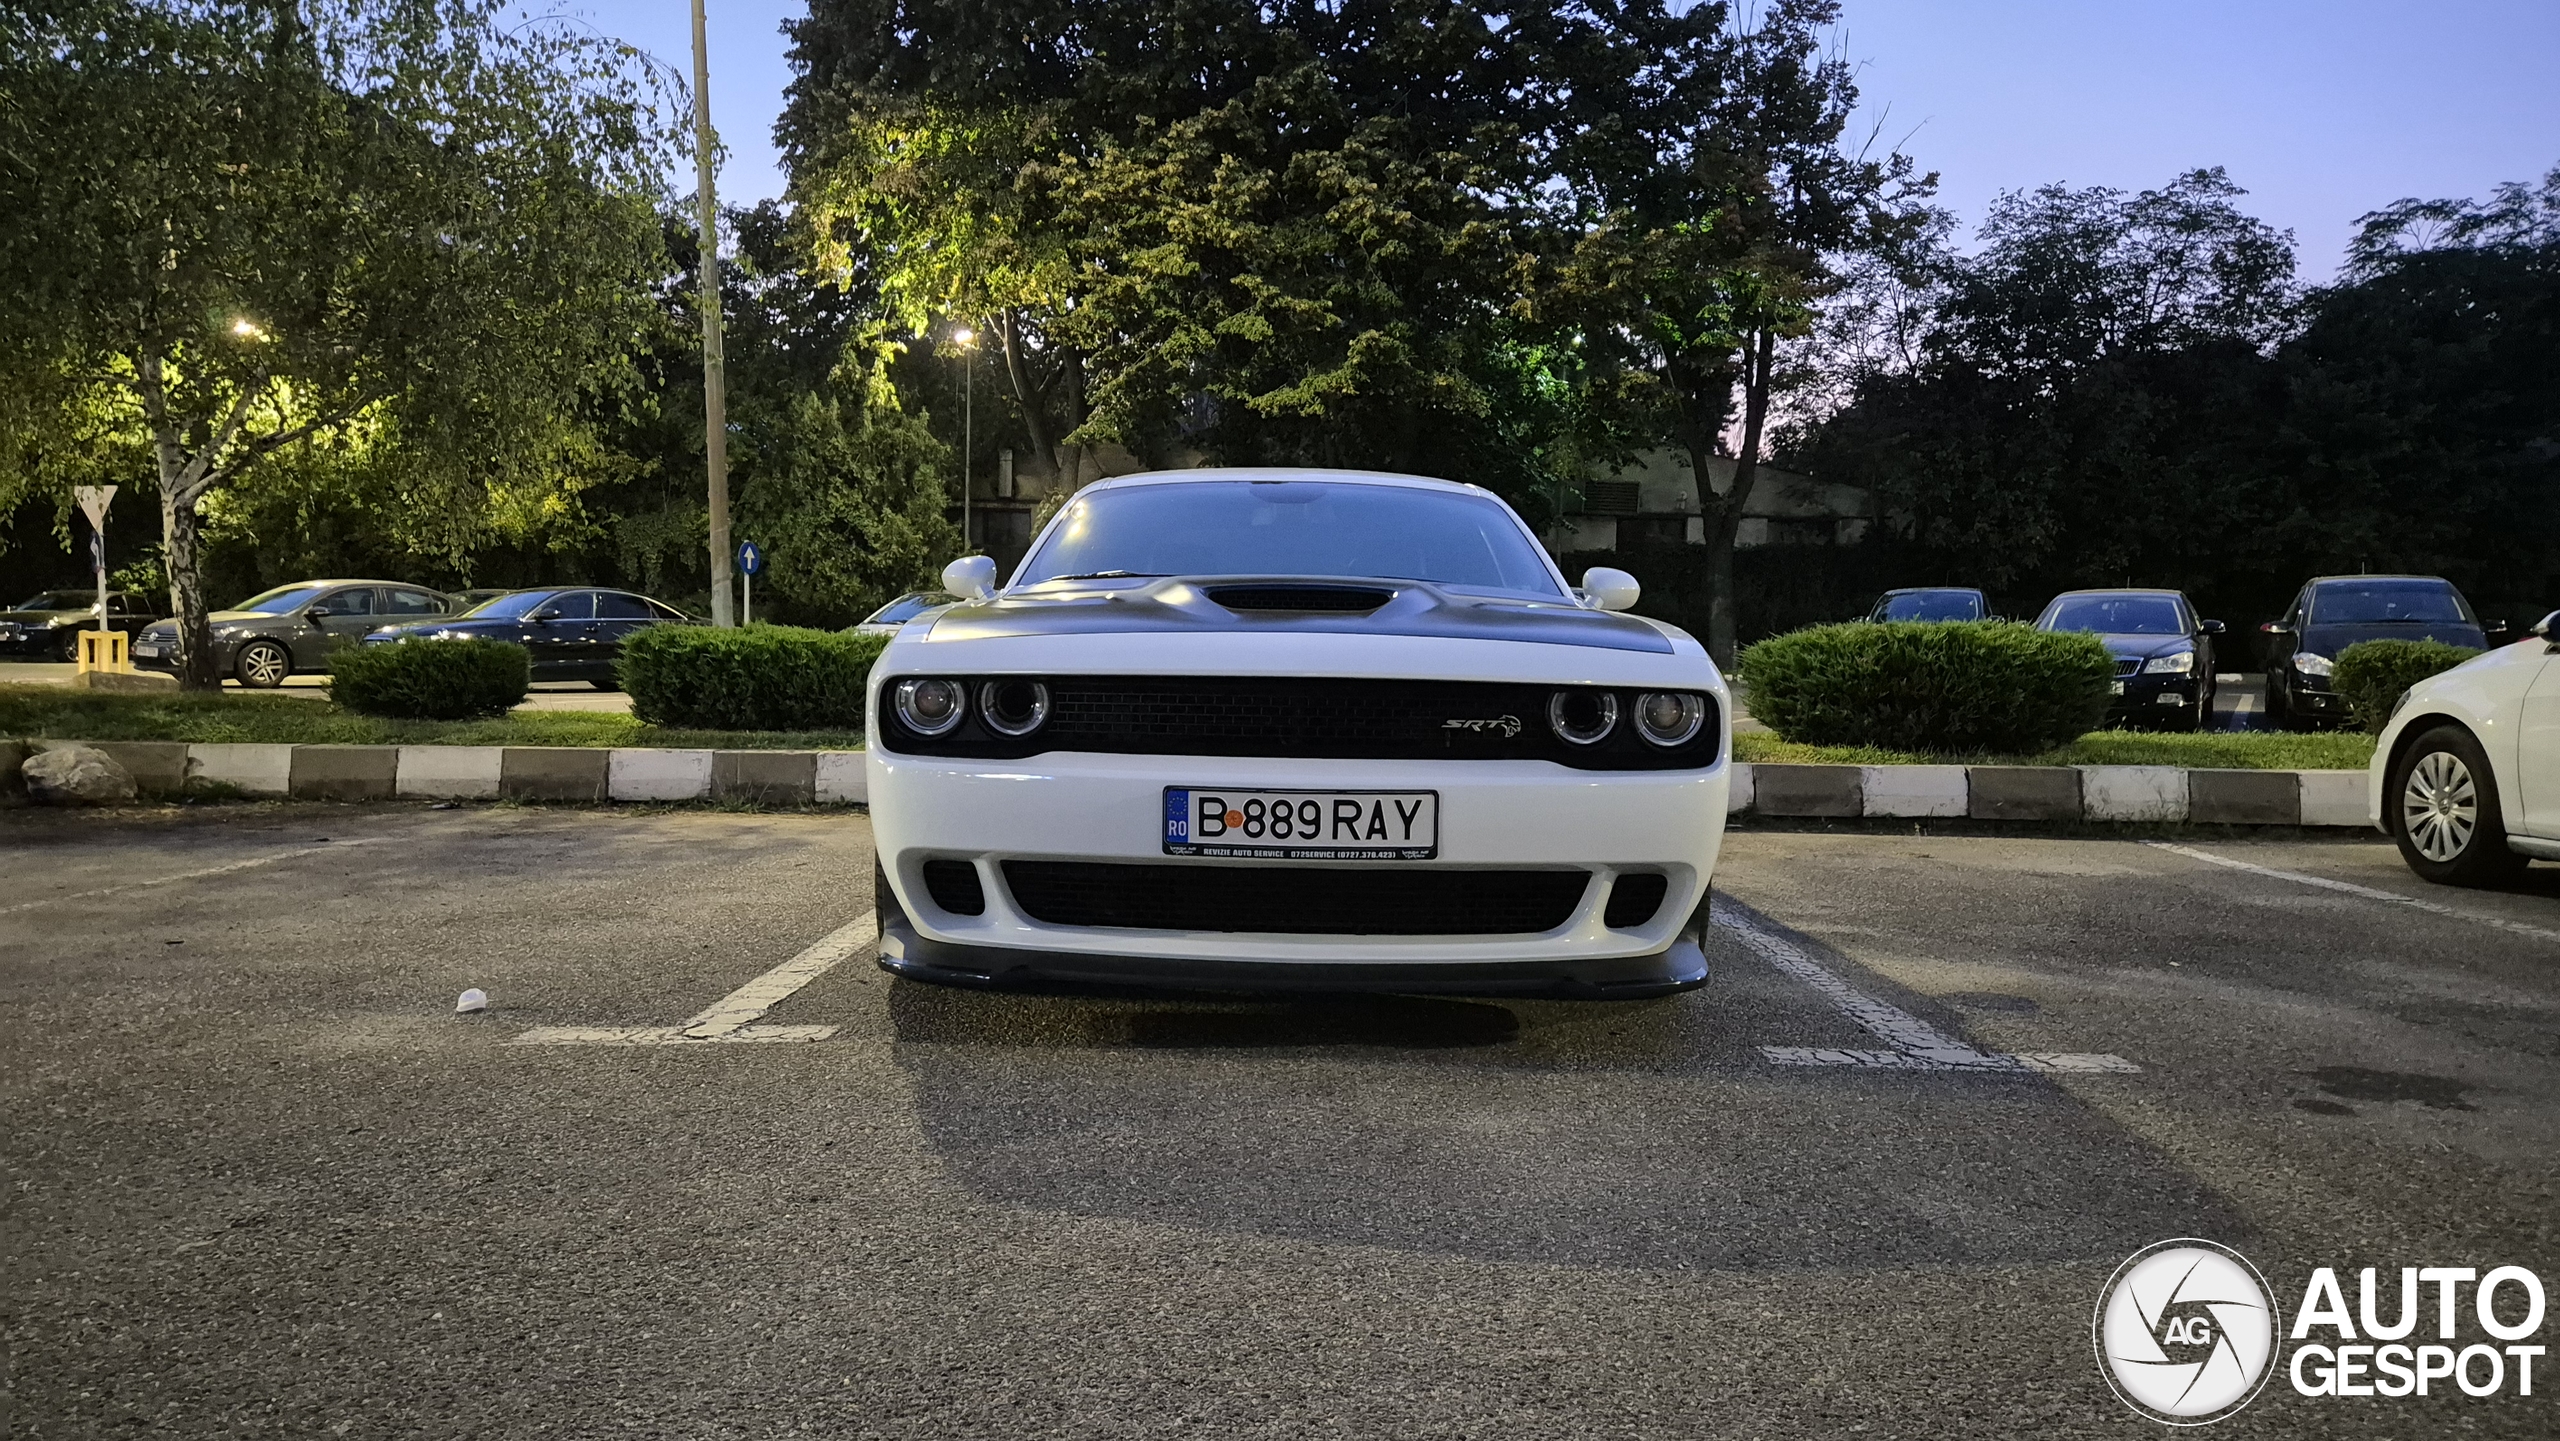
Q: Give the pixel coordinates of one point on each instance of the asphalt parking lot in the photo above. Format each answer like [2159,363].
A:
[258,1180]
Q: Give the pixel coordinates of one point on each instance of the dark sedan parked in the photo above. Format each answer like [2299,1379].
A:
[1932,602]
[571,634]
[2164,655]
[2334,612]
[49,624]
[293,628]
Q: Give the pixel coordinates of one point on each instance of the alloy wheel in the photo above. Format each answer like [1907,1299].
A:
[2440,806]
[264,666]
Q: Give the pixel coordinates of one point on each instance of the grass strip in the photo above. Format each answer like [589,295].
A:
[51,713]
[2206,750]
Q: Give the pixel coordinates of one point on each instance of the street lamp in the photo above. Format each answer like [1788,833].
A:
[248,330]
[967,340]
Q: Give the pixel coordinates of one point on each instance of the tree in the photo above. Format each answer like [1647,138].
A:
[1707,220]
[231,228]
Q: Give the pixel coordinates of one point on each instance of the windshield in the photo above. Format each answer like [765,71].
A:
[281,599]
[2116,615]
[1296,527]
[2388,602]
[907,607]
[510,606]
[1932,605]
[59,600]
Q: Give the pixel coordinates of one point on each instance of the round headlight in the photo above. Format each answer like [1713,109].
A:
[1583,717]
[1013,707]
[1670,718]
[930,707]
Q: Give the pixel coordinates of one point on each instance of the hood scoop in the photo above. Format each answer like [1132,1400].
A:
[1327,599]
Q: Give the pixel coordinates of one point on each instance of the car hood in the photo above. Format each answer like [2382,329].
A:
[46,617]
[2328,640]
[1179,605]
[2143,647]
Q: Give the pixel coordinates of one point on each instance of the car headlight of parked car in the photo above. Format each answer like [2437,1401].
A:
[2310,664]
[1582,717]
[930,706]
[1670,718]
[1009,707]
[2175,663]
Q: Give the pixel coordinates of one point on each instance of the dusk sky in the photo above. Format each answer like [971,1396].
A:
[2322,109]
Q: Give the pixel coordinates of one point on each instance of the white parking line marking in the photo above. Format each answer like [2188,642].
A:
[2350,888]
[1917,1045]
[727,1021]
[220,870]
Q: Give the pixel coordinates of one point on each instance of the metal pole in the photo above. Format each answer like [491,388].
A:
[715,382]
[968,433]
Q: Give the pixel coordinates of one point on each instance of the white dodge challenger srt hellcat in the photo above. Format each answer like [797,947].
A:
[1295,730]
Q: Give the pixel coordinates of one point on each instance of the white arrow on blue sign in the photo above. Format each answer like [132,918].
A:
[750,557]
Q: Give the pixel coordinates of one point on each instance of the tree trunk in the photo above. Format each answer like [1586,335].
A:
[1723,628]
[1029,396]
[179,527]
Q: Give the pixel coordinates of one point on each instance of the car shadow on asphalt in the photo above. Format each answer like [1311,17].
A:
[1646,1135]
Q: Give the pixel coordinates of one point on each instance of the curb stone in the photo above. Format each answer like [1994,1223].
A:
[2052,793]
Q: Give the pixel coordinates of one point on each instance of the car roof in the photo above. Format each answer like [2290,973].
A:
[1933,589]
[2341,579]
[1266,474]
[2120,590]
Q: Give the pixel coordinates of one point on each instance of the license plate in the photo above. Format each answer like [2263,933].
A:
[1302,825]
[147,652]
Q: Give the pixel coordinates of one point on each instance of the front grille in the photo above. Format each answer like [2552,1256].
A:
[1344,598]
[955,887]
[1316,719]
[1374,901]
[2128,665]
[1633,899]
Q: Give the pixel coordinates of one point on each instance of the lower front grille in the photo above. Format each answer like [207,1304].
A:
[1374,901]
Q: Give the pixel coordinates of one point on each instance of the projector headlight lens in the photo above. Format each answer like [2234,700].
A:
[930,707]
[1582,717]
[1670,718]
[1013,707]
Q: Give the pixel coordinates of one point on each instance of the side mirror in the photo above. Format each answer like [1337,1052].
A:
[1606,589]
[2548,628]
[318,613]
[971,577]
[2276,627]
[2211,627]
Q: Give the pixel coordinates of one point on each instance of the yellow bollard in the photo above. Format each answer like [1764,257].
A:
[106,650]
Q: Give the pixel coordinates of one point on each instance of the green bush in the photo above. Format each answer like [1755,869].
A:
[2372,673]
[759,678]
[1978,686]
[431,679]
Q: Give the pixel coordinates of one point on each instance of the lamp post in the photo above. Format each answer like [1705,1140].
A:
[715,398]
[967,340]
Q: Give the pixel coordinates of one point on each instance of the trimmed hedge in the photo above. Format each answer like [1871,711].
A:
[2373,673]
[758,678]
[1974,686]
[418,679]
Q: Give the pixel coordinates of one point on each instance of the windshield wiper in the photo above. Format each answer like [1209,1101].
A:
[1112,575]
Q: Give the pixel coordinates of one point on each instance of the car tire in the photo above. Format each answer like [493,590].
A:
[606,685]
[262,665]
[2441,804]
[68,647]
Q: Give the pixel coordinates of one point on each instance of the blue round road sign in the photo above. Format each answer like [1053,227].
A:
[750,557]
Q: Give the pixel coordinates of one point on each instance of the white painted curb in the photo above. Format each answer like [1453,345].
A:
[2133,793]
[843,778]
[2335,798]
[655,775]
[461,773]
[1915,791]
[258,770]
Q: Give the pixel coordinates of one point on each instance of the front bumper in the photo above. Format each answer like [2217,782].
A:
[2163,697]
[1109,808]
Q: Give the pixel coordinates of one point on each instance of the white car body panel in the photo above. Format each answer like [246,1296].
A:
[1108,807]
[2488,695]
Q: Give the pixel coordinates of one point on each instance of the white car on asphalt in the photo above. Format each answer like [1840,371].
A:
[2466,777]
[1296,729]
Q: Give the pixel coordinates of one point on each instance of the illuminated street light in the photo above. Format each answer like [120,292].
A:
[248,330]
